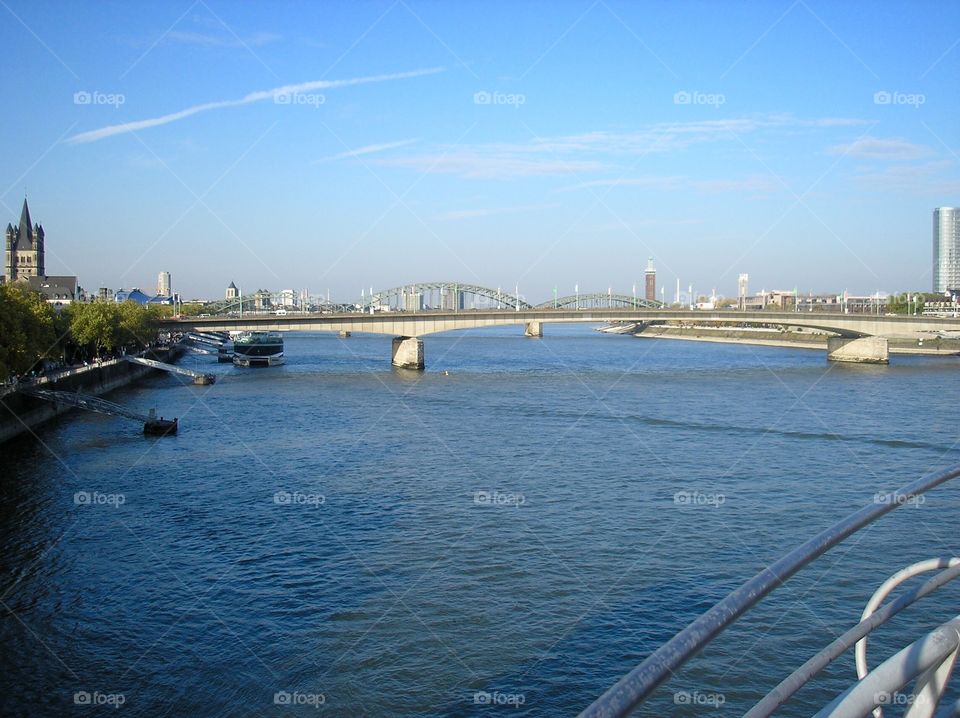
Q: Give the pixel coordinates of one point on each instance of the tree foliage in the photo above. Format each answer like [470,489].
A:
[27,331]
[96,325]
[31,330]
[105,326]
[906,303]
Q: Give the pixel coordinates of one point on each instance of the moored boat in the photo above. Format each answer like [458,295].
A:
[258,349]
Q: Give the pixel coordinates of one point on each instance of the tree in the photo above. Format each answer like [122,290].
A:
[27,333]
[96,325]
[906,303]
[138,324]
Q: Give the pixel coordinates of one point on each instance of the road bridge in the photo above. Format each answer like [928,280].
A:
[857,337]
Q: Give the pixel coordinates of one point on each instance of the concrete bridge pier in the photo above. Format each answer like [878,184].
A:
[533,329]
[863,350]
[408,353]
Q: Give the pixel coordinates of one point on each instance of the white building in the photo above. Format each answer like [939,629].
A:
[946,249]
[163,284]
[288,298]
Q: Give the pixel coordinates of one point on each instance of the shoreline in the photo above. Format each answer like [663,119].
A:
[25,413]
[904,347]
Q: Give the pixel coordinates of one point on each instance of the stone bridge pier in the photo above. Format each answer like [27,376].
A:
[862,350]
[533,329]
[408,353]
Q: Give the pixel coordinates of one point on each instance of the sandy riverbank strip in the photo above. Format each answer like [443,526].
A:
[791,340]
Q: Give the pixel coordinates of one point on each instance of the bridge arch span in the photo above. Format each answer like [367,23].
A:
[444,295]
[599,300]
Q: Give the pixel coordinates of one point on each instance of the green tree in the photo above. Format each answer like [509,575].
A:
[138,324]
[192,309]
[27,333]
[905,303]
[96,325]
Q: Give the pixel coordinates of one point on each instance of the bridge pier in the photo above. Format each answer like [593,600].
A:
[533,329]
[408,353]
[863,350]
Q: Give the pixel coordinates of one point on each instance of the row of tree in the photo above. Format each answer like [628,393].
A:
[910,302]
[33,333]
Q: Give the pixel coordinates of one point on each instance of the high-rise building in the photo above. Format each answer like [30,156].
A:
[163,284]
[24,248]
[946,249]
[412,300]
[451,298]
[742,290]
[650,277]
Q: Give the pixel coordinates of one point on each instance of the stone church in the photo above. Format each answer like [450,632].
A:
[24,262]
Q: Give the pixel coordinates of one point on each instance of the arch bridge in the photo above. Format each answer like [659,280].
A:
[444,295]
[599,300]
[858,337]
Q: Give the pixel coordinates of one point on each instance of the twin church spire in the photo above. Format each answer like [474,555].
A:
[23,256]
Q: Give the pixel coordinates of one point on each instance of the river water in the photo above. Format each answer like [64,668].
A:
[506,533]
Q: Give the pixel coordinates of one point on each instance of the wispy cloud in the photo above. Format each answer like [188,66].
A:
[366,150]
[259,96]
[752,185]
[208,40]
[749,185]
[933,178]
[479,163]
[651,181]
[491,211]
[600,150]
[874,148]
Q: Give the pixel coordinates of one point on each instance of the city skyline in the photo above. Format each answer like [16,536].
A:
[396,143]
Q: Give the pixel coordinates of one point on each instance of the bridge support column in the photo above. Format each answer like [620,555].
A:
[864,350]
[408,353]
[344,333]
[533,329]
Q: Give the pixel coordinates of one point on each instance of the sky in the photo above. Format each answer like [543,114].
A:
[342,146]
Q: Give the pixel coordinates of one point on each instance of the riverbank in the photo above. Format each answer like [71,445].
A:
[933,346]
[22,413]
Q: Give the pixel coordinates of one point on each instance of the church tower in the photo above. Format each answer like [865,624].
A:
[23,256]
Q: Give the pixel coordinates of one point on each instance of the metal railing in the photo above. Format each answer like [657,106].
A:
[631,690]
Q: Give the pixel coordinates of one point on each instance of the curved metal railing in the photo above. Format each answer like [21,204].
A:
[631,690]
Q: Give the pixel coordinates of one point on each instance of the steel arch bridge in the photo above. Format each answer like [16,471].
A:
[231,306]
[599,300]
[444,295]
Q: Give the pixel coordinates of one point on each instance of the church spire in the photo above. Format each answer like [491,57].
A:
[26,228]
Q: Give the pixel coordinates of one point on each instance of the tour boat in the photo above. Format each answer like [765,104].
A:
[258,349]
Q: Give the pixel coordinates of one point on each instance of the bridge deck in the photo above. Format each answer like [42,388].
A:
[421,323]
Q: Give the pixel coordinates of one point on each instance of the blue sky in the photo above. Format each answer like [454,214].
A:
[343,146]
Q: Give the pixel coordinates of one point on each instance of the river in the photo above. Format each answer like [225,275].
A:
[506,533]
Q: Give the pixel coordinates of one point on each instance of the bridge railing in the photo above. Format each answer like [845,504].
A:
[927,656]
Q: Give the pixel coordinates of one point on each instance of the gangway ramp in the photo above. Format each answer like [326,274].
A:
[151,424]
[197,376]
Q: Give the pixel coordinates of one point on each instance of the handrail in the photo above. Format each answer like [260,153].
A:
[625,695]
[898,670]
[796,680]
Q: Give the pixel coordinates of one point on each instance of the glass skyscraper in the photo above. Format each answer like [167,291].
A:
[946,248]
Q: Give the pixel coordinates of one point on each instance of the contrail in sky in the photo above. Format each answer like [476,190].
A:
[260,96]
